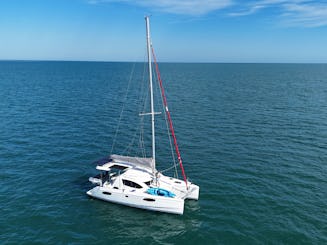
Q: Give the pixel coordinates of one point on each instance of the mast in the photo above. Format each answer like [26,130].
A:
[151,92]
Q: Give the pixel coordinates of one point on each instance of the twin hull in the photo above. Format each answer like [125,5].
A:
[139,200]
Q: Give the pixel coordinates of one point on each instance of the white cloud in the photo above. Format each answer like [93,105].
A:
[248,11]
[184,7]
[189,7]
[306,13]
[252,7]
[309,15]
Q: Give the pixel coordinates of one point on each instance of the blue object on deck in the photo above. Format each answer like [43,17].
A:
[160,192]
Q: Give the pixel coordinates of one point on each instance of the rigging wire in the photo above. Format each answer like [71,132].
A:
[168,122]
[168,130]
[122,110]
[169,118]
[143,106]
[141,97]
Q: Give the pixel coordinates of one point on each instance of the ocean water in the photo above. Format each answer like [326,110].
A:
[252,136]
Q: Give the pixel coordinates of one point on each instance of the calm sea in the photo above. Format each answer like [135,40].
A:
[252,136]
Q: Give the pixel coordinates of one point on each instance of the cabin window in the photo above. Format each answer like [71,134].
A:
[118,167]
[149,199]
[131,184]
[147,183]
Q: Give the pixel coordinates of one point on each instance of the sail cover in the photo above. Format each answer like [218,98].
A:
[142,162]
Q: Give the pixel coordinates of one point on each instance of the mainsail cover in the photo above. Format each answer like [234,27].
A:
[143,162]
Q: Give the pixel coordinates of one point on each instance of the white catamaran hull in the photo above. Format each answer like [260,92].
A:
[138,200]
[177,186]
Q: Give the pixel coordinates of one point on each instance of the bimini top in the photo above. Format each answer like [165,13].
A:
[125,162]
[141,162]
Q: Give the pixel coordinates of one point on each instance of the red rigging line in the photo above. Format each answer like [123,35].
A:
[169,117]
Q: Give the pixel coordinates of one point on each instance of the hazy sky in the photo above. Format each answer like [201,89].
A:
[186,31]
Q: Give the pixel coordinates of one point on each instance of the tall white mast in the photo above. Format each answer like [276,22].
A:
[151,91]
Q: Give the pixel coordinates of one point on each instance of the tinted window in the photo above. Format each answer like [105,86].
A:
[131,184]
[147,183]
[119,167]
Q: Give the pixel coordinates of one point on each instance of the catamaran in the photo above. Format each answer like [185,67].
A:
[135,181]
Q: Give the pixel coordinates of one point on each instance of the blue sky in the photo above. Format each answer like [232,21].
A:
[182,31]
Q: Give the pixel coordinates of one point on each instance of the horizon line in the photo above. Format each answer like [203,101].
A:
[174,62]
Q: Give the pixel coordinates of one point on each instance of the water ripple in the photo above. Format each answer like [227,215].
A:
[252,136]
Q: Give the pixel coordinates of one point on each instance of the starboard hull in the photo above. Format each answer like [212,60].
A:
[139,200]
